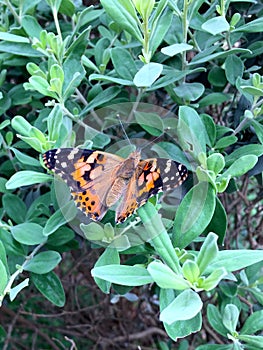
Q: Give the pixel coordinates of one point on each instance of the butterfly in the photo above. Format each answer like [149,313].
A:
[98,180]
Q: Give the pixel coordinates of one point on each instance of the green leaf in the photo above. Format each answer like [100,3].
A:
[258,130]
[67,8]
[26,178]
[123,275]
[33,136]
[15,208]
[234,68]
[208,252]
[75,51]
[89,64]
[108,257]
[41,85]
[4,277]
[60,237]
[178,329]
[144,8]
[60,217]
[222,54]
[156,234]
[214,98]
[213,279]
[189,91]
[12,247]
[171,77]
[21,125]
[103,97]
[215,347]
[252,149]
[216,25]
[93,231]
[191,271]
[164,277]
[74,73]
[3,182]
[234,260]
[215,162]
[218,223]
[102,53]
[230,317]
[217,77]
[255,26]
[210,129]
[28,5]
[240,166]
[5,103]
[8,37]
[50,286]
[226,141]
[191,131]
[215,320]
[25,159]
[251,90]
[194,214]
[4,123]
[161,23]
[184,307]
[229,288]
[28,233]
[34,143]
[147,75]
[88,15]
[126,71]
[3,256]
[124,15]
[54,122]
[119,81]
[174,49]
[43,262]
[255,341]
[54,4]
[31,26]
[151,122]
[253,323]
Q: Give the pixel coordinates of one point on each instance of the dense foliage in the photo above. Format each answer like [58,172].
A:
[181,80]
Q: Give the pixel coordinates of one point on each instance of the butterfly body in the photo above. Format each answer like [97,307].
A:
[124,174]
[98,180]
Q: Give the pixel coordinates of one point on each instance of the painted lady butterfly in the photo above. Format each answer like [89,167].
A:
[97,180]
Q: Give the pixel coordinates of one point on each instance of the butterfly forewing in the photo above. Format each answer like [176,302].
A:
[89,175]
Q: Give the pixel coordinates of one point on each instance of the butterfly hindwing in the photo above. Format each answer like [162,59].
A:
[151,177]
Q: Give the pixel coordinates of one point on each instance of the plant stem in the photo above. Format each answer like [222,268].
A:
[185,31]
[11,9]
[55,15]
[18,271]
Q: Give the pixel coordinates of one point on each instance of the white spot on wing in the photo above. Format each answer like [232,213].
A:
[72,154]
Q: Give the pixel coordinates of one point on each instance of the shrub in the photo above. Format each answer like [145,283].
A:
[182,81]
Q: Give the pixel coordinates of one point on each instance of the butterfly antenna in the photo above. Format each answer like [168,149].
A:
[122,127]
[148,143]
